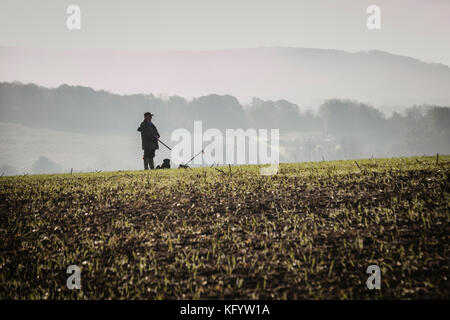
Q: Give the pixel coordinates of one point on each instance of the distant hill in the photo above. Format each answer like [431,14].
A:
[303,76]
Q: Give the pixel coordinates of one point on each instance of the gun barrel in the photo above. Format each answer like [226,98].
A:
[165,145]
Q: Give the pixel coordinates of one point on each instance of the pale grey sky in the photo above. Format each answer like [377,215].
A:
[416,28]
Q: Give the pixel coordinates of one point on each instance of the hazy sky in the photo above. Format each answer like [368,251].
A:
[416,28]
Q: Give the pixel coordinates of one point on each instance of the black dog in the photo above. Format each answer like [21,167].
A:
[164,165]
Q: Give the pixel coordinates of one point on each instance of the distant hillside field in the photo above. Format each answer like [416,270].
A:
[309,231]
[80,129]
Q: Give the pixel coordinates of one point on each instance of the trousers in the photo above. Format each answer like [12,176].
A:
[149,154]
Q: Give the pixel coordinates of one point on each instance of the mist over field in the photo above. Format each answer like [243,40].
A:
[63,110]
[45,130]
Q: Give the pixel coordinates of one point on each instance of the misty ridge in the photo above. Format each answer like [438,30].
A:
[304,76]
[70,118]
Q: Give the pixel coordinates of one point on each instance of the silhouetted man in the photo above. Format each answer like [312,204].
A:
[149,136]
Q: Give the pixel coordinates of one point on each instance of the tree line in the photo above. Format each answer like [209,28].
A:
[355,128]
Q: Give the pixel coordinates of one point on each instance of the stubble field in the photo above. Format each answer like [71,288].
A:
[308,232]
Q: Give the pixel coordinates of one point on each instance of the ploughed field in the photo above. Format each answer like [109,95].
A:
[309,231]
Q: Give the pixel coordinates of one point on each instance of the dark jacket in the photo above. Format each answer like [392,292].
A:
[149,135]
